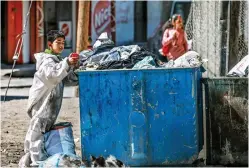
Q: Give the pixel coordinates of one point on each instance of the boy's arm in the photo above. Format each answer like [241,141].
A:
[71,79]
[52,73]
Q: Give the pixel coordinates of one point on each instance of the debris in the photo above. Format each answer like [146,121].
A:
[62,160]
[240,69]
[190,59]
[146,63]
[111,161]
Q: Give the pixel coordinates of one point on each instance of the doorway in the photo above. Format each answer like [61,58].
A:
[140,21]
[3,30]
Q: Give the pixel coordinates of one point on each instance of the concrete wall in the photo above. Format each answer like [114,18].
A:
[154,17]
[124,22]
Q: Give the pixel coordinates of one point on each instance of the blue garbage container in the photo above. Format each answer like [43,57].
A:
[148,117]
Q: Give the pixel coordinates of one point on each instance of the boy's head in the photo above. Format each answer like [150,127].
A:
[56,41]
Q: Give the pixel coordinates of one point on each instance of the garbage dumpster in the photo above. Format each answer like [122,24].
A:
[143,117]
[226,102]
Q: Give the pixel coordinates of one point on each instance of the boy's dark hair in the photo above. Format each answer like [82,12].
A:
[54,34]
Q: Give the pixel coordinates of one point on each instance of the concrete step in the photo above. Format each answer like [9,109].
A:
[24,92]
[16,82]
[24,70]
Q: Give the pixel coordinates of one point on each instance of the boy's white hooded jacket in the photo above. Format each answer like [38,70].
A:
[44,103]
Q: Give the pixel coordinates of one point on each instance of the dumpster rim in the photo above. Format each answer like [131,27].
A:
[225,78]
[122,70]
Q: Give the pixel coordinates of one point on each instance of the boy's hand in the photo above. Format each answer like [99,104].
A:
[73,59]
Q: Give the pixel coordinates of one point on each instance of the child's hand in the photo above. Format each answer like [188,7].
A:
[73,59]
[175,36]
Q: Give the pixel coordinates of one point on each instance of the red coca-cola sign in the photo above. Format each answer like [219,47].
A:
[65,29]
[102,17]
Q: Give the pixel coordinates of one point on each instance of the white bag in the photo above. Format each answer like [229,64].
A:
[189,59]
[240,68]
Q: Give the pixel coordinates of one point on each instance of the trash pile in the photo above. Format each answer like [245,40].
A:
[190,59]
[60,149]
[62,160]
[105,55]
[111,161]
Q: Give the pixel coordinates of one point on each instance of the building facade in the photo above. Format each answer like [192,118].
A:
[135,22]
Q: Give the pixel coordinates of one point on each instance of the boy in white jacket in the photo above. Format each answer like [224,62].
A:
[45,95]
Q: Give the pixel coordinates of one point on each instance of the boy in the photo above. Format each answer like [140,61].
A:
[45,95]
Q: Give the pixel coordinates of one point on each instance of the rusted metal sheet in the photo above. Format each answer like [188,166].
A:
[226,102]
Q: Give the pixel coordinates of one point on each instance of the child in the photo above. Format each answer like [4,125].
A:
[45,95]
[174,38]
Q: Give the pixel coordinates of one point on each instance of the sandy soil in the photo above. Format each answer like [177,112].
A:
[14,124]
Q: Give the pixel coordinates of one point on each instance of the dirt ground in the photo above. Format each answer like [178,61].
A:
[14,124]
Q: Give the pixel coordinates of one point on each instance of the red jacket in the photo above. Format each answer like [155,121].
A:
[177,44]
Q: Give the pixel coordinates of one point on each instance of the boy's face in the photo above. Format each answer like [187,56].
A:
[57,46]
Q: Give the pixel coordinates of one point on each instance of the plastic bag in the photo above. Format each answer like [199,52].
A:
[169,64]
[103,40]
[100,49]
[146,63]
[240,69]
[136,54]
[189,59]
[60,139]
[111,56]
[62,160]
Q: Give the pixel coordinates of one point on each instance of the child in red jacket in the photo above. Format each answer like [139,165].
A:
[174,40]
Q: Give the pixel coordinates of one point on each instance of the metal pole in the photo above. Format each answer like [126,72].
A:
[26,36]
[234,34]
[228,37]
[82,27]
[74,24]
[113,21]
[82,30]
[223,36]
[18,48]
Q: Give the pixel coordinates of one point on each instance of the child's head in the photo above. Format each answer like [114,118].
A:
[177,21]
[174,22]
[55,41]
